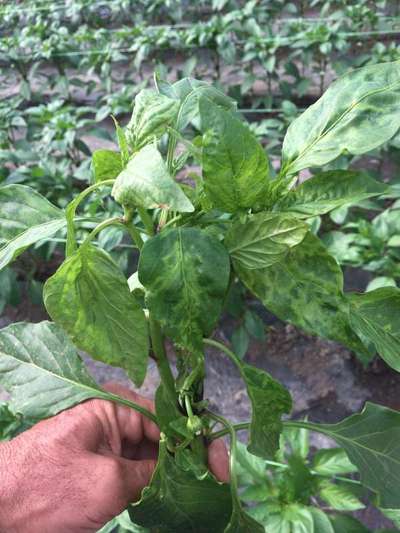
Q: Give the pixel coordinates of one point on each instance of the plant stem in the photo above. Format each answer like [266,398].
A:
[147,220]
[232,457]
[164,369]
[135,234]
[133,231]
[128,403]
[71,210]
[223,432]
[225,349]
[101,226]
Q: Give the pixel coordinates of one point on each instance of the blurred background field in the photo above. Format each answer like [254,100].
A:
[66,67]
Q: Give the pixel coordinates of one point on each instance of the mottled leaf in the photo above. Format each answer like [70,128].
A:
[269,401]
[26,218]
[89,297]
[305,288]
[339,496]
[263,239]
[106,164]
[375,316]
[188,92]
[186,273]
[152,114]
[329,190]
[332,461]
[176,501]
[358,113]
[146,182]
[42,370]
[235,165]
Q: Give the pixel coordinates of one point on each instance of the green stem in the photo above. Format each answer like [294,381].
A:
[170,151]
[128,403]
[232,458]
[172,221]
[132,230]
[71,210]
[225,349]
[164,369]
[223,432]
[147,220]
[101,226]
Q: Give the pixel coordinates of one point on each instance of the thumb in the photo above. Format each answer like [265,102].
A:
[137,475]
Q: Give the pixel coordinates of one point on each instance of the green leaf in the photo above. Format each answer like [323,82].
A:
[263,239]
[298,440]
[322,524]
[254,325]
[339,496]
[393,515]
[26,218]
[250,468]
[347,524]
[241,522]
[42,370]
[122,142]
[329,190]
[358,113]
[235,165]
[240,341]
[371,440]
[186,273]
[146,182]
[332,461]
[152,114]
[375,316]
[106,164]
[89,297]
[178,502]
[167,411]
[305,288]
[122,524]
[189,92]
[269,401]
[379,282]
[292,518]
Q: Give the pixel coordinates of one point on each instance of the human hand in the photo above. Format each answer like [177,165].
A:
[74,472]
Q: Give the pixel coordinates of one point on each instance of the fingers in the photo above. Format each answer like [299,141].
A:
[218,460]
[128,418]
[137,475]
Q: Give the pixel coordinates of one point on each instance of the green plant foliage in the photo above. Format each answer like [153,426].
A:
[90,298]
[374,316]
[263,239]
[356,114]
[26,218]
[370,440]
[329,190]
[146,182]
[186,274]
[305,288]
[177,501]
[42,370]
[106,164]
[267,410]
[232,224]
[152,114]
[235,166]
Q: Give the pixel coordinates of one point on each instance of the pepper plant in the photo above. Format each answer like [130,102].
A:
[194,239]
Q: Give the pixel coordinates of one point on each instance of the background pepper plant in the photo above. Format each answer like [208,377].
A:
[194,238]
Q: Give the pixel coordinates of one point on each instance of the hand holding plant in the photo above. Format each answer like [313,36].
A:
[235,220]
